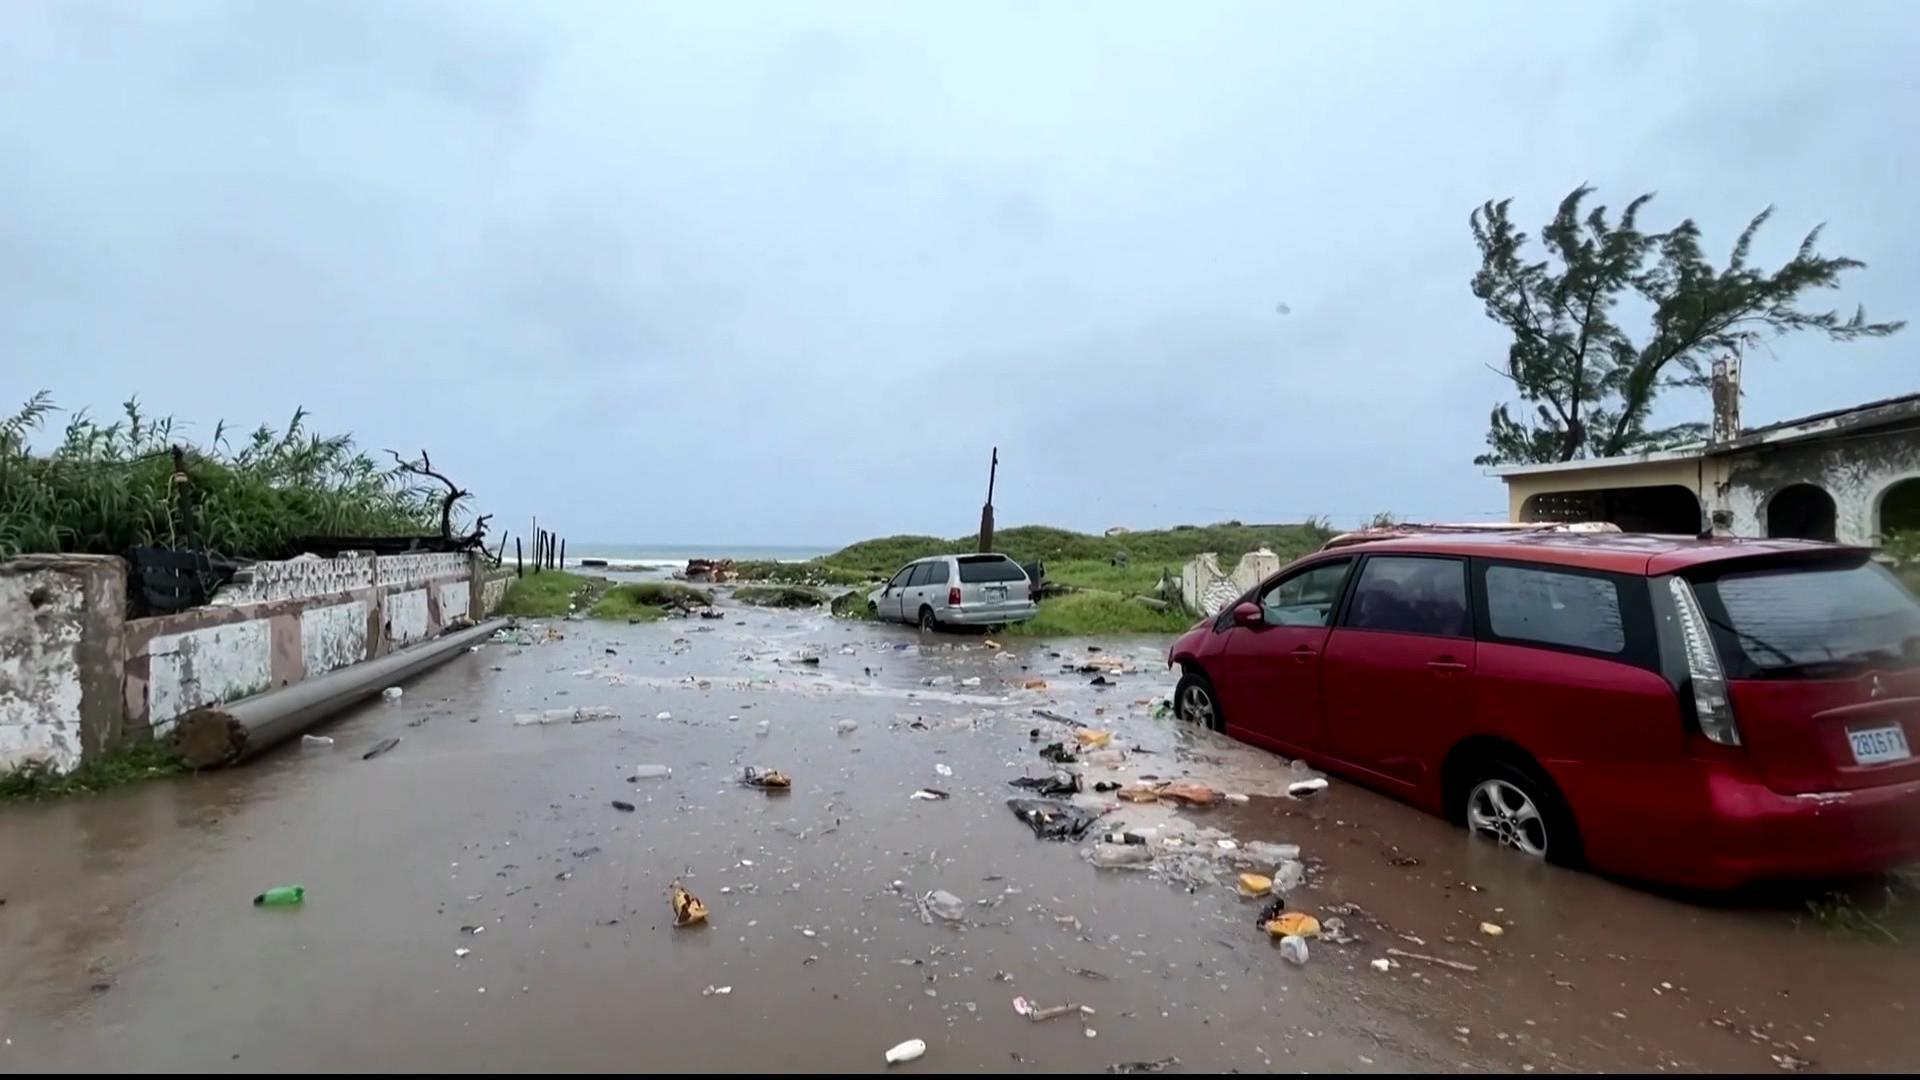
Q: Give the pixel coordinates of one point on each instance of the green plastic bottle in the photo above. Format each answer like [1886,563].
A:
[281,896]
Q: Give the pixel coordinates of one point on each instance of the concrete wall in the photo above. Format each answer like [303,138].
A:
[298,625]
[1855,473]
[60,660]
[1205,588]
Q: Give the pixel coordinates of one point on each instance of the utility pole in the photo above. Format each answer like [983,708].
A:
[986,511]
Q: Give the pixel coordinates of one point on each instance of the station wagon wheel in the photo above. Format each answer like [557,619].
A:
[928,623]
[1502,810]
[1195,702]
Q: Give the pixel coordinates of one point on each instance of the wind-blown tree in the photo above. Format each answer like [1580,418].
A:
[1590,384]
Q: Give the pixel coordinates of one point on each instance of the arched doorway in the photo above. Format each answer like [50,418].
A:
[1899,508]
[1801,512]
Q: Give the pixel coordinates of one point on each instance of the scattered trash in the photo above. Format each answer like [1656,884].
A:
[844,727]
[1442,961]
[1162,710]
[1060,783]
[1089,973]
[1058,754]
[473,931]
[1301,789]
[990,643]
[971,680]
[945,905]
[1033,684]
[281,896]
[1051,820]
[906,1051]
[929,794]
[1125,838]
[1129,1068]
[1101,681]
[763,727]
[1187,793]
[581,715]
[663,715]
[1139,794]
[379,748]
[1293,924]
[1116,856]
[1492,929]
[316,740]
[1236,797]
[1252,885]
[766,779]
[1092,738]
[1040,1014]
[625,807]
[943,768]
[687,908]
[1111,758]
[1382,964]
[716,991]
[1293,948]
[650,772]
[462,953]
[391,693]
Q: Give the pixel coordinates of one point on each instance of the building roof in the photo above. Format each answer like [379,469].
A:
[1815,425]
[1631,553]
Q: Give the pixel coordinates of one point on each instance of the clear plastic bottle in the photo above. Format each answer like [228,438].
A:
[652,772]
[946,905]
[1294,948]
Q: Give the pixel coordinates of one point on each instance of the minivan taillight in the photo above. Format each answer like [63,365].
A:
[1711,705]
[953,596]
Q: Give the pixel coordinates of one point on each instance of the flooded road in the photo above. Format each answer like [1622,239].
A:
[130,941]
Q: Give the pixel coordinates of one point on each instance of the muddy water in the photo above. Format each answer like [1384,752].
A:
[129,940]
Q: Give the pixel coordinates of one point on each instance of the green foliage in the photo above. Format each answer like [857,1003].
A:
[1131,580]
[617,606]
[1096,613]
[552,594]
[663,594]
[106,488]
[140,762]
[852,604]
[1590,384]
[799,573]
[1159,548]
[780,596]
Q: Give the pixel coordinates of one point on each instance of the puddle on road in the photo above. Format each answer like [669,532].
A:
[130,938]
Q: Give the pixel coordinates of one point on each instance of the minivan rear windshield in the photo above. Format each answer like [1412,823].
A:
[975,569]
[1812,620]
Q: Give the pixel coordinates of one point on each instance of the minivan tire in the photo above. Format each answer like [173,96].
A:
[1497,793]
[928,624]
[1188,696]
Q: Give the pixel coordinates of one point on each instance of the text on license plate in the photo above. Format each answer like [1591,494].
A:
[996,592]
[1874,745]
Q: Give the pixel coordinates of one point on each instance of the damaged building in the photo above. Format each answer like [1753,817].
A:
[1851,475]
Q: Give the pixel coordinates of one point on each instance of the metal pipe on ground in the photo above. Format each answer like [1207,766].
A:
[229,734]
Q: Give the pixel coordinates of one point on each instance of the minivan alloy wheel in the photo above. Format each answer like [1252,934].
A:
[1501,810]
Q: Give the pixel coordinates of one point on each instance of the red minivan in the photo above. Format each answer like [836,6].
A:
[1702,713]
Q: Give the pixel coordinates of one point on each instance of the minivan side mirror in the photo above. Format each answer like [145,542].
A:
[1248,614]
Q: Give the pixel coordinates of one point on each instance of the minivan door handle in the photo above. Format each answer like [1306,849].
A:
[1304,654]
[1446,665]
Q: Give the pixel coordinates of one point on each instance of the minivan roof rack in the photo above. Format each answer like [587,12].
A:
[1406,529]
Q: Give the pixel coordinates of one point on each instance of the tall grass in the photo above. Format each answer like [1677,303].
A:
[108,487]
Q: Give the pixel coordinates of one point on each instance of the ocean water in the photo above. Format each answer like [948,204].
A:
[675,556]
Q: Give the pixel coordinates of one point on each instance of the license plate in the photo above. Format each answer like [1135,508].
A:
[996,593]
[1871,746]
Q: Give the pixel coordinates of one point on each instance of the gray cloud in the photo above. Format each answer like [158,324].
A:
[753,272]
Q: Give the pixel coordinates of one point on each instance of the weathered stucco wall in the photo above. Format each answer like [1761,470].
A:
[1856,473]
[493,590]
[224,652]
[1205,588]
[60,622]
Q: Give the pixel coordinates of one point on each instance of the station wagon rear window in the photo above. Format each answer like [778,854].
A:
[975,569]
[1812,621]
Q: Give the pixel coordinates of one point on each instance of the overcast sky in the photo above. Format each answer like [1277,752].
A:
[783,272]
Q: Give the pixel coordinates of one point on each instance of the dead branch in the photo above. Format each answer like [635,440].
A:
[424,467]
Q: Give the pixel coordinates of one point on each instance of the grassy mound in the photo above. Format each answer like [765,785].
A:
[799,573]
[1098,613]
[852,604]
[552,594]
[1062,550]
[780,596]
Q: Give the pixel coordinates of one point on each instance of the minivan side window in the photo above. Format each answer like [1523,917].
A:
[1411,595]
[1552,607]
[920,575]
[900,579]
[1307,598]
[938,574]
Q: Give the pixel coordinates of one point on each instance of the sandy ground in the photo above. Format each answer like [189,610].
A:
[129,940]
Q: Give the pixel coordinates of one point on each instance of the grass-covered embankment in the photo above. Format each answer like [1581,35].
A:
[1102,603]
[554,594]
